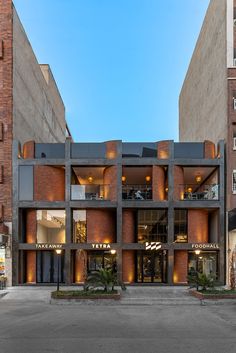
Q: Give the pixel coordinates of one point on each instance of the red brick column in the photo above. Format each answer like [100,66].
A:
[28,150]
[180,266]
[128,226]
[110,179]
[129,266]
[31,227]
[158,183]
[101,226]
[197,226]
[31,266]
[49,183]
[163,149]
[111,149]
[178,183]
[209,150]
[80,266]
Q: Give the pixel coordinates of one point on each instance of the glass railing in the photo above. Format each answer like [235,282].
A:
[90,192]
[136,192]
[199,192]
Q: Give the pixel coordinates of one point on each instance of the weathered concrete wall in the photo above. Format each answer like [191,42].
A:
[203,98]
[38,110]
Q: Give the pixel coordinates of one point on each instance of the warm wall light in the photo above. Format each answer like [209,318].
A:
[198,178]
[189,189]
[166,189]
[58,251]
[123,178]
[113,251]
[148,178]
[90,179]
[197,252]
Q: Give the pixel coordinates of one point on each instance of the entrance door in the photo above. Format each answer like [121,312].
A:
[151,267]
[47,267]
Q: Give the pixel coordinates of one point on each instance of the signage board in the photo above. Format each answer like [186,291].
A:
[153,245]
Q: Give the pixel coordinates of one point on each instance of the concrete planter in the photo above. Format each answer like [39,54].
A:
[214,296]
[115,296]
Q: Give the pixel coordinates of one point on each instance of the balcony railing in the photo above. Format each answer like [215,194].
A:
[90,192]
[199,192]
[136,192]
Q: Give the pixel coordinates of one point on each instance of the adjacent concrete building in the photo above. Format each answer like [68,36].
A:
[30,108]
[207,104]
[141,209]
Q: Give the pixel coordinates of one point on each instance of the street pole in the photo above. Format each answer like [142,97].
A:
[58,252]
[197,252]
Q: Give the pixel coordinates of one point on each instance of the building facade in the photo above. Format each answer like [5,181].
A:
[207,104]
[141,209]
[30,108]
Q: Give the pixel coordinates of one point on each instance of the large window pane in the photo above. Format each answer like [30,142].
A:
[205,263]
[51,226]
[79,226]
[181,226]
[152,225]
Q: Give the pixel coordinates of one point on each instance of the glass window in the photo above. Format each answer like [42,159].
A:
[79,226]
[152,225]
[181,226]
[206,262]
[51,226]
[101,259]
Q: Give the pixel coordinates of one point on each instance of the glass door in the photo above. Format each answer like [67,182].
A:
[151,267]
[47,267]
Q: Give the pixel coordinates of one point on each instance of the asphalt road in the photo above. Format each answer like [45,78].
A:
[38,327]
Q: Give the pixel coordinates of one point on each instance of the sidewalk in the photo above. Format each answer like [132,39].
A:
[133,295]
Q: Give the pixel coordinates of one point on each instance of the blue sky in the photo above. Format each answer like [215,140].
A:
[119,64]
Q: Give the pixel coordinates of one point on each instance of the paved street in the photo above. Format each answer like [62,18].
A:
[33,325]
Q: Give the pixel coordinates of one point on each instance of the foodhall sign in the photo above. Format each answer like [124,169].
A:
[153,245]
[48,246]
[205,246]
[101,246]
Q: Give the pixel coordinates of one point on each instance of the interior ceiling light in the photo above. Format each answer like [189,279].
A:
[198,178]
[90,179]
[148,178]
[123,178]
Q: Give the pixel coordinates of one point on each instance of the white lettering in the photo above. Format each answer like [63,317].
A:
[101,246]
[205,246]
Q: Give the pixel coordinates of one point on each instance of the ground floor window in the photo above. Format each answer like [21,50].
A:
[206,262]
[152,266]
[100,259]
[47,267]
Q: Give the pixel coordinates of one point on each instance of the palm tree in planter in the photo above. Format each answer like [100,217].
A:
[104,278]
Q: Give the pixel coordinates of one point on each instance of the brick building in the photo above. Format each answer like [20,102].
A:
[30,108]
[140,208]
[207,104]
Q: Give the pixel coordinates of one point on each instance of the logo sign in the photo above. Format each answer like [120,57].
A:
[48,246]
[153,245]
[205,246]
[101,246]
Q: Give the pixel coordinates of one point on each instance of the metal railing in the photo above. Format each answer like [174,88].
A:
[90,192]
[199,192]
[136,192]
